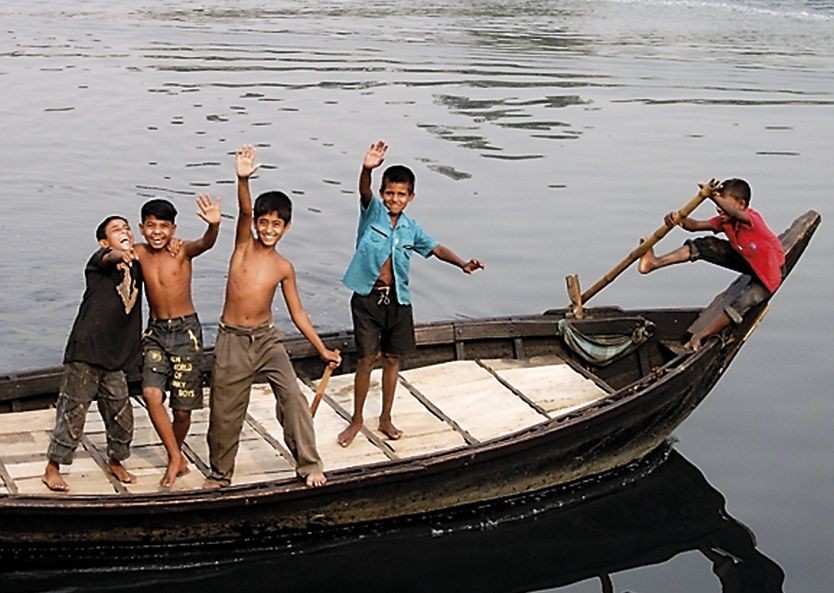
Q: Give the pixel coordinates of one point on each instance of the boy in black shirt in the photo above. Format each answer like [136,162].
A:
[103,344]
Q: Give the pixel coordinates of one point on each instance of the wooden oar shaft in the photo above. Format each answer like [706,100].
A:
[325,377]
[643,247]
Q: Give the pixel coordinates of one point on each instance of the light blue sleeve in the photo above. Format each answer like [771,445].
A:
[424,243]
[366,215]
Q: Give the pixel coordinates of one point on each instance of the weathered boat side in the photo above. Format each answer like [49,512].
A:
[646,514]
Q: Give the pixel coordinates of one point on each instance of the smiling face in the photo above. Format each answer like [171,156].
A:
[117,235]
[396,195]
[270,228]
[157,232]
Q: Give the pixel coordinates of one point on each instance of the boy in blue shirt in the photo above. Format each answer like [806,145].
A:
[383,323]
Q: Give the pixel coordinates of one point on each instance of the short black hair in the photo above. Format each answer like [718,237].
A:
[101,229]
[159,209]
[398,174]
[274,201]
[737,188]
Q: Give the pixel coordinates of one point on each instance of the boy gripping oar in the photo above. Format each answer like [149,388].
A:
[750,248]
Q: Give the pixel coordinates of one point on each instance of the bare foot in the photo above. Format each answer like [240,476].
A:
[694,343]
[648,261]
[210,484]
[387,428]
[52,478]
[184,469]
[118,470]
[171,474]
[347,435]
[315,479]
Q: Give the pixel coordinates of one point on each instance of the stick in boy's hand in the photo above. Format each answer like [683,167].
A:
[332,357]
[328,370]
[713,185]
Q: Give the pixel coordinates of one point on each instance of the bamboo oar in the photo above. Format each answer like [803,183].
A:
[706,191]
[325,377]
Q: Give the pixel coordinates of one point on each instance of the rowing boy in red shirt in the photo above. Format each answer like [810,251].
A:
[750,248]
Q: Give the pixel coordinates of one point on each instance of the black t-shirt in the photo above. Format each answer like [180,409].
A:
[108,328]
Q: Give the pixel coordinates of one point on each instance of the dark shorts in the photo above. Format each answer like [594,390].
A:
[381,324]
[173,360]
[721,253]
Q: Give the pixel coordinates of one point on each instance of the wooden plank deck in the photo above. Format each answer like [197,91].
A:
[440,408]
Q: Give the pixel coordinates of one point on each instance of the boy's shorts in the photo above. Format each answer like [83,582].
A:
[381,324]
[173,360]
[721,253]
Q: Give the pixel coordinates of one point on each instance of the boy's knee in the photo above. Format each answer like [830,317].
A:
[153,395]
[390,359]
[691,252]
[182,416]
[367,362]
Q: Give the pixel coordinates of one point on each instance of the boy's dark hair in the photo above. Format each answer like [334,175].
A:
[273,201]
[101,229]
[398,174]
[736,188]
[159,209]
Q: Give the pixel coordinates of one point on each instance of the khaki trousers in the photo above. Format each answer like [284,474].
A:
[239,354]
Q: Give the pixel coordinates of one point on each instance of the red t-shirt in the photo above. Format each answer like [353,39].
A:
[756,243]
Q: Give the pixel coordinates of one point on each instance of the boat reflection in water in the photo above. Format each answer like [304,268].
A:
[647,514]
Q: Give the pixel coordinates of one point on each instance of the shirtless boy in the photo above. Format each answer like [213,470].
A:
[173,341]
[248,343]
[103,344]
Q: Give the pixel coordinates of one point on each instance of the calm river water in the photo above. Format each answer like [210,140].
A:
[547,137]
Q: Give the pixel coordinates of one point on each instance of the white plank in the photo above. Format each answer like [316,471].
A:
[147,480]
[473,398]
[93,483]
[22,444]
[557,388]
[259,457]
[423,432]
[198,444]
[328,424]
[27,421]
[263,477]
[84,476]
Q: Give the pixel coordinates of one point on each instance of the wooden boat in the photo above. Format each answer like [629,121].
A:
[492,409]
[642,516]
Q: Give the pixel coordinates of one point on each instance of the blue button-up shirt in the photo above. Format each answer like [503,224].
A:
[376,241]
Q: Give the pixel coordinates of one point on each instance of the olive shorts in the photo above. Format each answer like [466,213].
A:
[173,360]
